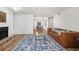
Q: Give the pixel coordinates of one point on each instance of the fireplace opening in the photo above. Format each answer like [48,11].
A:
[3,32]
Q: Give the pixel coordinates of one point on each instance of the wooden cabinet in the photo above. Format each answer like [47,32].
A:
[66,39]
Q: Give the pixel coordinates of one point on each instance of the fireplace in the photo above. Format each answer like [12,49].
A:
[3,32]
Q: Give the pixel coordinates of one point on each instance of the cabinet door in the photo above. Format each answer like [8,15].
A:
[67,40]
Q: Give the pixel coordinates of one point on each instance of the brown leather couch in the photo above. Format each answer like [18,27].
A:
[66,39]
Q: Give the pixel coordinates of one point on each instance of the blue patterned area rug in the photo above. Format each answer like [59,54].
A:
[31,43]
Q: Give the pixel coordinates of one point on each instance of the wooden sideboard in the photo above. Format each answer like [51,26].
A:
[66,39]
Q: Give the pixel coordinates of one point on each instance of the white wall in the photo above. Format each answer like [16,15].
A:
[50,22]
[43,20]
[9,20]
[68,19]
[23,24]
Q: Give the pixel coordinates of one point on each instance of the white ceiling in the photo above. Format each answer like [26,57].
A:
[39,11]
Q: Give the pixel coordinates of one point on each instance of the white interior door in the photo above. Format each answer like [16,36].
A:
[23,24]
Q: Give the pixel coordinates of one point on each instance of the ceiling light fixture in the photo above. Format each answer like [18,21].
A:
[16,8]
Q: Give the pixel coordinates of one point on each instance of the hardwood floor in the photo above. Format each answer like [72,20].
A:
[72,49]
[9,44]
[39,31]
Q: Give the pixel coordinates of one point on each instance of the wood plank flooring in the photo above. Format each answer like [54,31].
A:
[9,43]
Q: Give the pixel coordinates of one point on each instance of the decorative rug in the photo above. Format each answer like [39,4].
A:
[30,43]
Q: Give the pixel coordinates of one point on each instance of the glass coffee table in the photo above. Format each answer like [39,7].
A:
[40,38]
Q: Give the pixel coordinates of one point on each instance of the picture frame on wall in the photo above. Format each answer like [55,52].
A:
[2,16]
